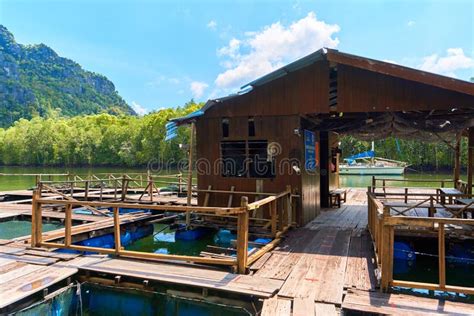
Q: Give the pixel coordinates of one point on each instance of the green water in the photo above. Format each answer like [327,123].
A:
[163,241]
[14,229]
[356,181]
[26,182]
[22,182]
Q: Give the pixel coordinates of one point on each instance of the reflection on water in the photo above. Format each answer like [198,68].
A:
[163,241]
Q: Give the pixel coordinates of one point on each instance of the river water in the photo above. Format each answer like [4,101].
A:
[22,182]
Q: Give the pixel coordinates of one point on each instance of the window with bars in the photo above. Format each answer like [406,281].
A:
[247,159]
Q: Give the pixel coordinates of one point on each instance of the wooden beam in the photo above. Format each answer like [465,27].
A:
[441,256]
[118,244]
[242,237]
[68,225]
[68,198]
[273,216]
[457,160]
[174,208]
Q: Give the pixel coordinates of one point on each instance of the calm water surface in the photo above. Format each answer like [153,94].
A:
[22,182]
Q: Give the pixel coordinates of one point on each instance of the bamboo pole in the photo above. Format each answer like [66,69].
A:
[38,222]
[68,226]
[118,244]
[242,237]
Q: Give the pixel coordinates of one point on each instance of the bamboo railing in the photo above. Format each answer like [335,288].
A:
[117,185]
[280,219]
[382,226]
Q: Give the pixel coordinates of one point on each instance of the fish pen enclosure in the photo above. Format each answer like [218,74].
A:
[399,217]
[240,219]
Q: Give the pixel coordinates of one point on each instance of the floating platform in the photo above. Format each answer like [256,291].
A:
[326,267]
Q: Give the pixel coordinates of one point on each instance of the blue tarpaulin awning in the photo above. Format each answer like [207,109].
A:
[365,154]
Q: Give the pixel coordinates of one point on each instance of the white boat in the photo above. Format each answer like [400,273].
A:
[367,164]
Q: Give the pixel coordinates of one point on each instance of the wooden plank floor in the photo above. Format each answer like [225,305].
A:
[330,257]
[400,304]
[320,269]
[24,271]
[180,274]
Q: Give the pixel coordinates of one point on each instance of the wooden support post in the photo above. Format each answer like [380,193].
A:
[124,188]
[242,237]
[231,196]
[457,160]
[118,244]
[406,195]
[101,191]
[280,207]
[441,256]
[68,225]
[150,188]
[288,206]
[36,221]
[470,160]
[207,195]
[273,214]
[116,189]
[72,189]
[190,174]
[86,192]
[386,255]
[431,209]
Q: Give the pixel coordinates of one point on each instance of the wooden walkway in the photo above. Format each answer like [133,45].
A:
[328,266]
[323,268]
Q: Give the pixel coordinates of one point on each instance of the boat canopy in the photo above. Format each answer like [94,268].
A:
[366,154]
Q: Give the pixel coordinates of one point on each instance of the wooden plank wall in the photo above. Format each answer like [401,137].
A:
[303,91]
[361,90]
[209,136]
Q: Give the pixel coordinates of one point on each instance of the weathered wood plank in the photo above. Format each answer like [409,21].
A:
[19,288]
[400,304]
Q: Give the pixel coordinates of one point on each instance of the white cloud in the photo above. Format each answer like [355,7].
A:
[139,109]
[411,23]
[275,45]
[197,88]
[454,60]
[212,25]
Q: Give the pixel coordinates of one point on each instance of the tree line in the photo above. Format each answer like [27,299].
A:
[127,140]
[421,156]
[94,140]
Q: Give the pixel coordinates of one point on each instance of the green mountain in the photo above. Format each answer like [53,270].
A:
[35,81]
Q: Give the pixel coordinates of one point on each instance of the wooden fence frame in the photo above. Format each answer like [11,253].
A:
[280,222]
[382,226]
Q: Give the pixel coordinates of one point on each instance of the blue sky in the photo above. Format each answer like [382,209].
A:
[163,53]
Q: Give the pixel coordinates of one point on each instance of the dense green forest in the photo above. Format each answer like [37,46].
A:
[421,156]
[35,81]
[126,140]
[101,139]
